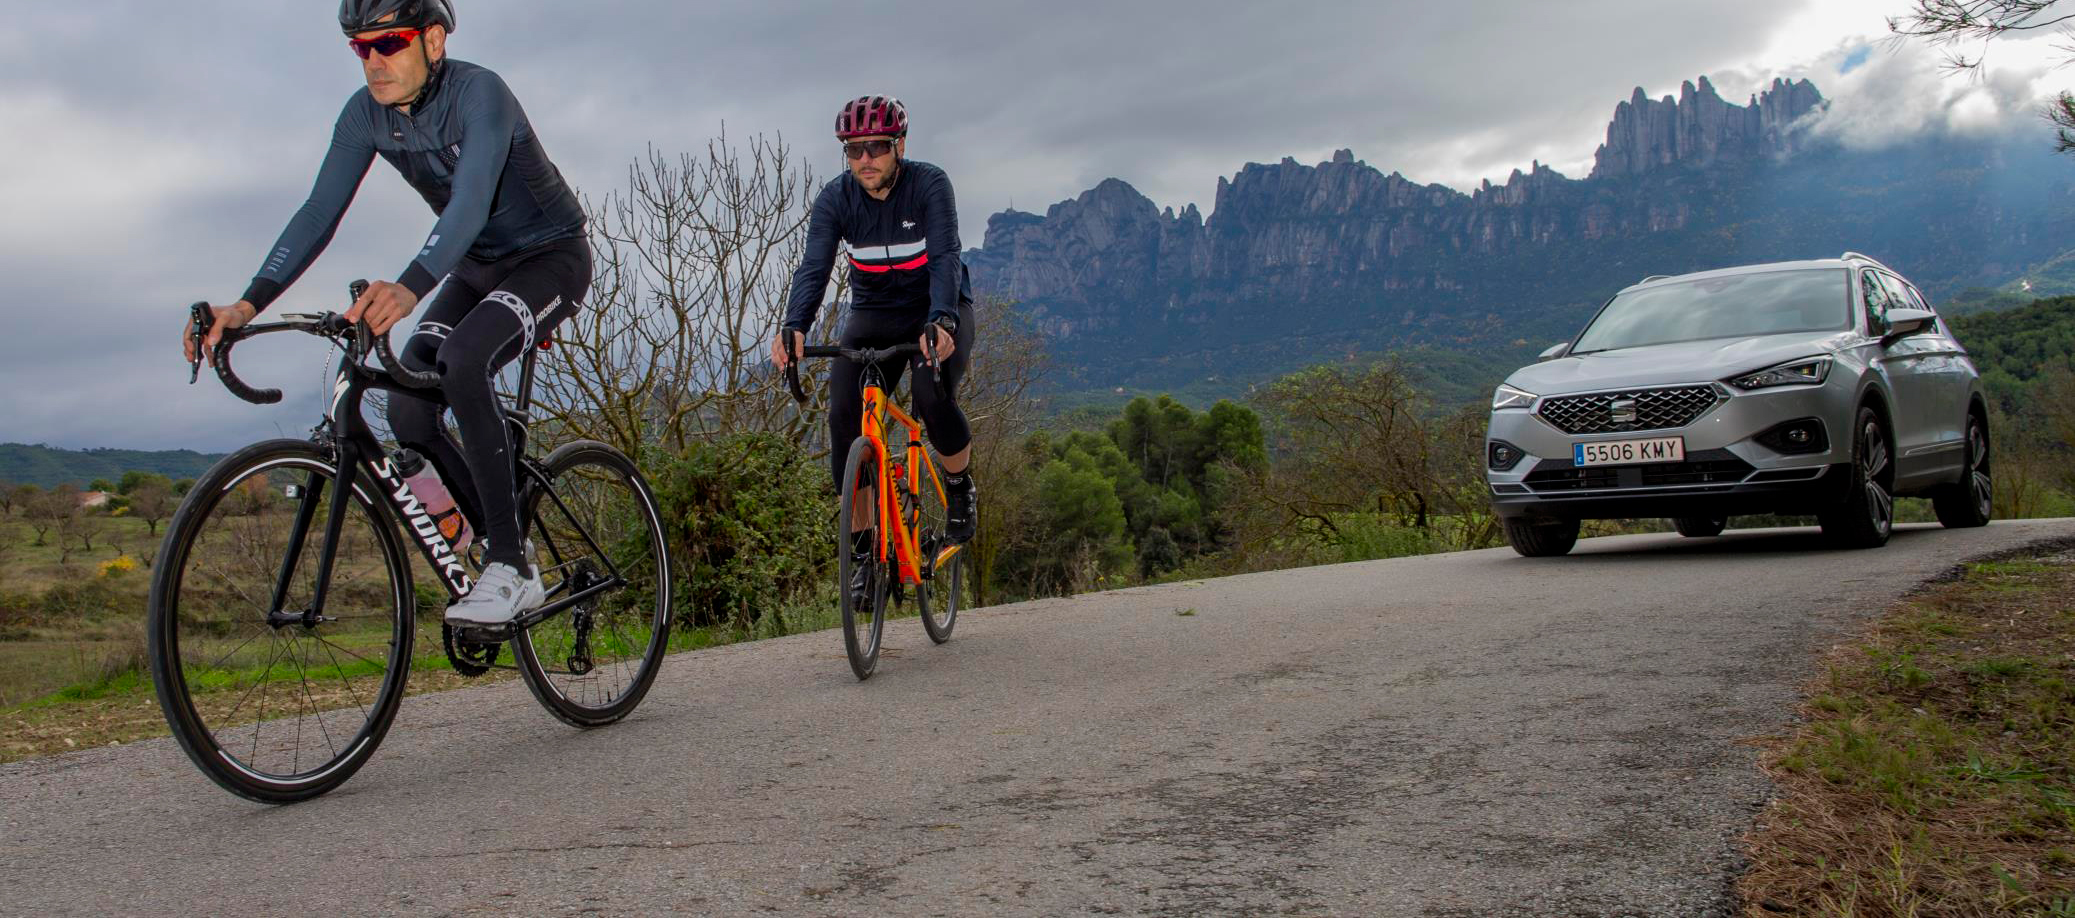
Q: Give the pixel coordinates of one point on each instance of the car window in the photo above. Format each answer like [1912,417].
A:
[1915,299]
[1902,296]
[1725,306]
[1874,296]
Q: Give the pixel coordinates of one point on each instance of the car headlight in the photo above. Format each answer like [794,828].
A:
[1808,372]
[1509,397]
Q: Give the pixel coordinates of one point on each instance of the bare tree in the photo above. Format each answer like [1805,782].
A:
[251,497]
[2060,417]
[1960,24]
[20,496]
[1010,356]
[68,521]
[694,260]
[44,510]
[10,497]
[1363,439]
[152,502]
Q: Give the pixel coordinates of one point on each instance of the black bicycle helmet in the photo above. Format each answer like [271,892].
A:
[365,15]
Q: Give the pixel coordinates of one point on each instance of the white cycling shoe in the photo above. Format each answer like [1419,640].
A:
[499,596]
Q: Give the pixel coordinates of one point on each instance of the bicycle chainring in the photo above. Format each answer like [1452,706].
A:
[469,658]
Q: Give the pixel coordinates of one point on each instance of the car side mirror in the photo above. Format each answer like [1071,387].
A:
[1557,351]
[1901,323]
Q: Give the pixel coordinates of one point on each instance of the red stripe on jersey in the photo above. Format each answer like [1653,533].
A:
[918,262]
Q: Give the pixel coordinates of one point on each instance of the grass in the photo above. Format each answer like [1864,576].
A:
[1935,772]
[98,697]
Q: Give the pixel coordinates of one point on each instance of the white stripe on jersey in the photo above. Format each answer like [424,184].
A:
[882,252]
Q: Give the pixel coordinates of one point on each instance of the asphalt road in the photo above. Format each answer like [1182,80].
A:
[1474,734]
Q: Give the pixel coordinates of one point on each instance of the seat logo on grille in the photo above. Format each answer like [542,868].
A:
[1622,411]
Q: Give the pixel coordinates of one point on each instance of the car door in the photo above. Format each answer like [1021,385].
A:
[1950,391]
[1901,363]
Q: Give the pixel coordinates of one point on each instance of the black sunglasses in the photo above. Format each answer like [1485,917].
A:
[863,148]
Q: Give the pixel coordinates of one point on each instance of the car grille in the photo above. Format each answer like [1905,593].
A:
[1713,467]
[1654,409]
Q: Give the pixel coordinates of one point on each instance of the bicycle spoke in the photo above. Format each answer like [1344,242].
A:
[258,686]
[310,704]
[259,631]
[350,690]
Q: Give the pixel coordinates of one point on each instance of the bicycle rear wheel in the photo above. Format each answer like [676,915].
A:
[591,664]
[271,701]
[862,626]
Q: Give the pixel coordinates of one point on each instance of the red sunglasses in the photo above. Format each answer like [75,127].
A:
[384,45]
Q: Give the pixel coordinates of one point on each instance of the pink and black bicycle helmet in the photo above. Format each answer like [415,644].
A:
[872,116]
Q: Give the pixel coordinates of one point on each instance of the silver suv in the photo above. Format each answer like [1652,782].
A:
[1825,387]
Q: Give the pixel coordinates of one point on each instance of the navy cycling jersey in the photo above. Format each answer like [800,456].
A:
[468,149]
[903,251]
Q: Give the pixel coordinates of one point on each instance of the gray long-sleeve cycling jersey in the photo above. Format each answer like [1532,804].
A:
[468,150]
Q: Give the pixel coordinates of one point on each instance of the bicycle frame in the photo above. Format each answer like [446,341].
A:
[896,538]
[358,453]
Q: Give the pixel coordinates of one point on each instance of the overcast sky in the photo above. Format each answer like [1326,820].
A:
[155,150]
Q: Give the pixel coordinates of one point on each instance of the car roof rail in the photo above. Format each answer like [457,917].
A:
[1855,256]
[1654,277]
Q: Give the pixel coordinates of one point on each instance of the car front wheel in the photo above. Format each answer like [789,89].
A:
[1542,539]
[1865,517]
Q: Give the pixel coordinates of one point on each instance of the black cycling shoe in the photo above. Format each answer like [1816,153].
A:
[962,518]
[861,581]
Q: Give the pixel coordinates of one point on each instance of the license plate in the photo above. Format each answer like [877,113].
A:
[1629,452]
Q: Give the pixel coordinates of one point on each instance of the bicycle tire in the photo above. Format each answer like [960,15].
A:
[565,679]
[861,648]
[941,595]
[180,596]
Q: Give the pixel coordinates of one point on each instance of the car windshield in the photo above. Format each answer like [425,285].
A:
[1733,306]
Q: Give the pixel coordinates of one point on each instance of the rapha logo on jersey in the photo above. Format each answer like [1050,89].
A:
[422,525]
[907,224]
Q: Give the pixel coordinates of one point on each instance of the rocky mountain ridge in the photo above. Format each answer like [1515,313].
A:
[1343,251]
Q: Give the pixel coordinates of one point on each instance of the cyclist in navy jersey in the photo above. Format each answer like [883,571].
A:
[510,245]
[896,222]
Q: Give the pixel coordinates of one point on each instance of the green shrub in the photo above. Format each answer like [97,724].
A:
[1375,536]
[749,522]
[82,598]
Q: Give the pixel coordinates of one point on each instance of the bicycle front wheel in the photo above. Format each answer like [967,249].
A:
[864,616]
[597,535]
[942,591]
[274,699]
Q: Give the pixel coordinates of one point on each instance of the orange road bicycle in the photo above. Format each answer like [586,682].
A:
[901,495]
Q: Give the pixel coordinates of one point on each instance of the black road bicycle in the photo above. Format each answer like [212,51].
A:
[283,619]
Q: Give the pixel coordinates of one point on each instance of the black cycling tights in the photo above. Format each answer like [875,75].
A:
[486,316]
[937,408]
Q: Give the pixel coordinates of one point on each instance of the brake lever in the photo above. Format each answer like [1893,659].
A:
[936,365]
[202,318]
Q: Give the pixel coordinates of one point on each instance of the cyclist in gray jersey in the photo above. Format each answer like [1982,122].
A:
[510,245]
